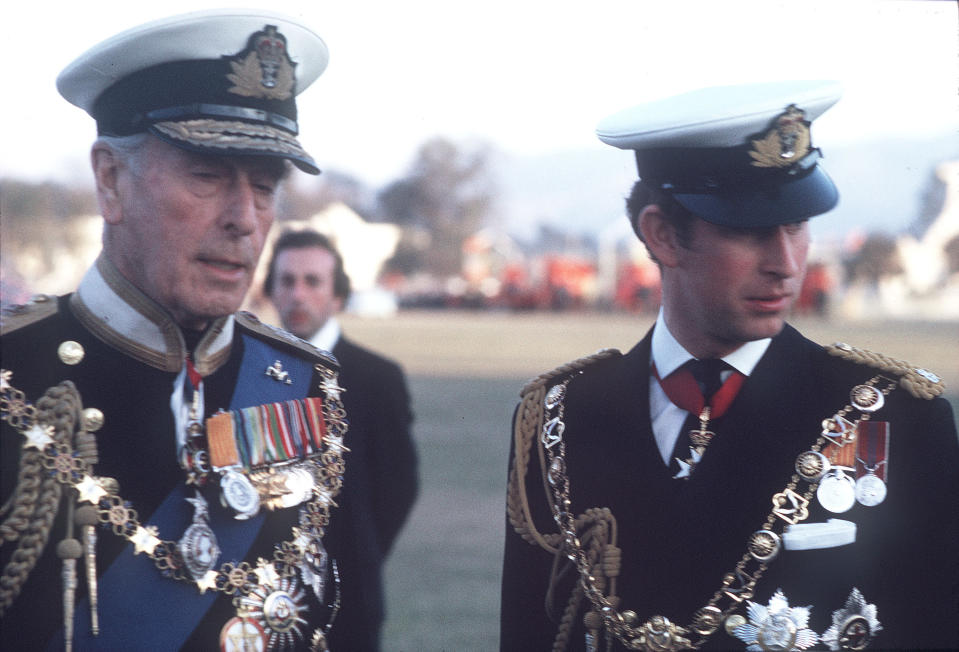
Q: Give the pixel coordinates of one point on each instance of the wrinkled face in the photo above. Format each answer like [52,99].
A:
[303,289]
[732,286]
[187,229]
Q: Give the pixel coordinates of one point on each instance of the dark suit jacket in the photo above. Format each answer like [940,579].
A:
[379,487]
[678,538]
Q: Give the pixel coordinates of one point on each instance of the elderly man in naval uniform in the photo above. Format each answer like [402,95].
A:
[170,465]
[727,483]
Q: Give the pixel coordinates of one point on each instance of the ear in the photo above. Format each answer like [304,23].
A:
[660,235]
[106,174]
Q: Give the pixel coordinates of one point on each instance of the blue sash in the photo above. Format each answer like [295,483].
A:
[140,609]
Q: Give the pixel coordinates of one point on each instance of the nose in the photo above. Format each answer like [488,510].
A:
[784,251]
[239,214]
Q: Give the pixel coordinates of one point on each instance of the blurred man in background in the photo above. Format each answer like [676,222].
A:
[308,286]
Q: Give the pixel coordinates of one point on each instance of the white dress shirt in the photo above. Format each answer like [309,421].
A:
[669,355]
[327,337]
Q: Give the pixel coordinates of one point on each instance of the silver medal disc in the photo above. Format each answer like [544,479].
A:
[836,492]
[870,490]
[199,549]
[239,494]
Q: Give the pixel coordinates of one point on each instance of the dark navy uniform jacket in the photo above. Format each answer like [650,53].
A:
[132,353]
[679,538]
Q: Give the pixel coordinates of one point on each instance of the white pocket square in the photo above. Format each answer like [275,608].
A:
[812,536]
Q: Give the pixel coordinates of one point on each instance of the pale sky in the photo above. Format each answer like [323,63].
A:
[528,76]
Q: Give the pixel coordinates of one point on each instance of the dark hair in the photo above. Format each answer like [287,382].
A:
[643,195]
[304,240]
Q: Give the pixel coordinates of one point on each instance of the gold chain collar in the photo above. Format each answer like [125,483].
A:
[789,508]
[58,456]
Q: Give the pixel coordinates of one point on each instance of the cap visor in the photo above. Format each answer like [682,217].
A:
[755,206]
[235,138]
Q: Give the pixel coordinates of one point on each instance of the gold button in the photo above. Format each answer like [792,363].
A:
[92,419]
[70,352]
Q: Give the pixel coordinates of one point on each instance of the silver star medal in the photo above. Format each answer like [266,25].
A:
[198,544]
[853,626]
[686,466]
[776,627]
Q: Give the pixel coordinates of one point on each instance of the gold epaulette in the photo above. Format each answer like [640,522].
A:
[16,317]
[567,369]
[919,382]
[252,323]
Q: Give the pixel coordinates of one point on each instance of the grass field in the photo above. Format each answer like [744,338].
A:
[465,370]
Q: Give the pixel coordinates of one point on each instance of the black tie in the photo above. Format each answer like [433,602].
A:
[707,374]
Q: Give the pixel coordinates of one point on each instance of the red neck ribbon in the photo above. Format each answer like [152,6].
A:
[683,390]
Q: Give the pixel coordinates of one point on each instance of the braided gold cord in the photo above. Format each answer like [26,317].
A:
[598,526]
[36,499]
[917,381]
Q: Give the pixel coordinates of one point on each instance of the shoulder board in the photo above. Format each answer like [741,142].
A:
[39,307]
[250,322]
[567,370]
[919,382]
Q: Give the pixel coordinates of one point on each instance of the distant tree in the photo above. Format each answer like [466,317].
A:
[951,249]
[303,197]
[930,205]
[877,258]
[26,200]
[448,193]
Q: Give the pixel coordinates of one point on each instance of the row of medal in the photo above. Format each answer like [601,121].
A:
[270,617]
[225,447]
[861,449]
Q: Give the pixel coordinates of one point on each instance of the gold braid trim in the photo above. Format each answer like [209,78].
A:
[597,525]
[36,499]
[919,382]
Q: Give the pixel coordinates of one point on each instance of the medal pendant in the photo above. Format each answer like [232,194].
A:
[299,486]
[837,491]
[314,567]
[242,635]
[870,490]
[700,438]
[280,610]
[239,494]
[198,545]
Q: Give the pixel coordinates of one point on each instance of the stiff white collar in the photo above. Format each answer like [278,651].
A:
[669,355]
[328,335]
[118,313]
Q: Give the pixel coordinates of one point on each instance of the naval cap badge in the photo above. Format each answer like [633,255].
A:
[264,69]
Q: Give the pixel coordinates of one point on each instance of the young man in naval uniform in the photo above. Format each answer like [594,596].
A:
[134,519]
[727,483]
[308,285]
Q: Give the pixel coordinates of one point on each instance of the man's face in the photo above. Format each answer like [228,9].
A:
[732,286]
[303,291]
[188,229]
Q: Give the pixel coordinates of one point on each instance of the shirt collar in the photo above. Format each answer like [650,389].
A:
[669,355]
[328,335]
[120,314]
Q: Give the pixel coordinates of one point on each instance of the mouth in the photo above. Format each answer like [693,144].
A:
[224,266]
[770,303]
